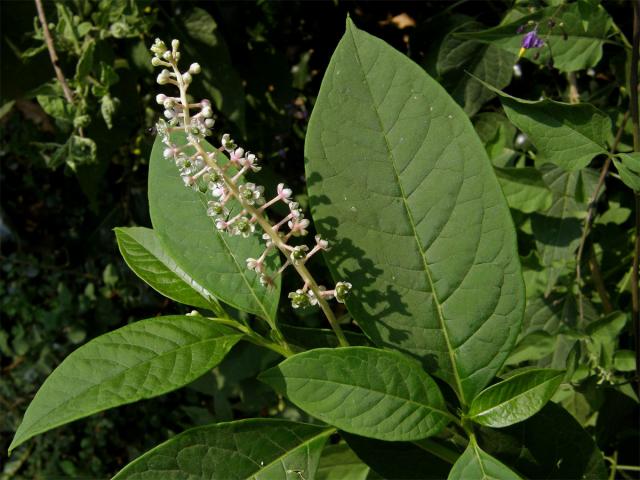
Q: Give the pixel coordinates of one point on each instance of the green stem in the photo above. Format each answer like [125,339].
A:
[257,339]
[441,451]
[266,226]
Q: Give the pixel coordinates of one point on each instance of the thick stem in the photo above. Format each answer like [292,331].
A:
[52,52]
[633,95]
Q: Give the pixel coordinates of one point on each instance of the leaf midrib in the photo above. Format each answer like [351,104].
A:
[486,412]
[174,270]
[368,389]
[240,270]
[325,432]
[440,315]
[108,379]
[543,113]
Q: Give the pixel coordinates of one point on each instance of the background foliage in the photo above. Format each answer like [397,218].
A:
[71,173]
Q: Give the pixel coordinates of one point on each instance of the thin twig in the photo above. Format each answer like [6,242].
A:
[633,96]
[596,275]
[591,209]
[52,52]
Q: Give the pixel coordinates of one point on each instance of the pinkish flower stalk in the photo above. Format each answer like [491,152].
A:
[202,171]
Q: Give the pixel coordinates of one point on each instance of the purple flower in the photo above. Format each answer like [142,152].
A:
[532,40]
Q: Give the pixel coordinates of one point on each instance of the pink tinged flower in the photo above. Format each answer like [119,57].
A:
[321,243]
[221,225]
[236,155]
[284,193]
[298,227]
[219,191]
[253,264]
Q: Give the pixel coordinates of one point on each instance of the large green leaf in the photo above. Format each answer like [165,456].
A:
[488,62]
[141,249]
[142,360]
[575,42]
[362,390]
[401,185]
[516,398]
[567,135]
[478,465]
[245,449]
[628,165]
[215,260]
[558,230]
[338,462]
[524,188]
[551,444]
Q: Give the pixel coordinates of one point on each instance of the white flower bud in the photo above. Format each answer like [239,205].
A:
[156,62]
[209,122]
[194,68]
[175,44]
[186,78]
[207,112]
[161,98]
[169,114]
[166,55]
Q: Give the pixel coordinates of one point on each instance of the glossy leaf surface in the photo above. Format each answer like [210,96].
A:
[479,465]
[141,249]
[254,448]
[141,360]
[398,180]
[362,390]
[516,398]
[215,260]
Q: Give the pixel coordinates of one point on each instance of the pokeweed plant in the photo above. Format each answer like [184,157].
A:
[423,253]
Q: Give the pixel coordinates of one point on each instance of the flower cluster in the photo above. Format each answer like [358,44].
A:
[236,206]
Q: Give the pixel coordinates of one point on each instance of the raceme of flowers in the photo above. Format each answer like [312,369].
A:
[222,181]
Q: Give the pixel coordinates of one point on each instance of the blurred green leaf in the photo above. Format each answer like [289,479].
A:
[576,38]
[524,188]
[628,165]
[338,462]
[457,57]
